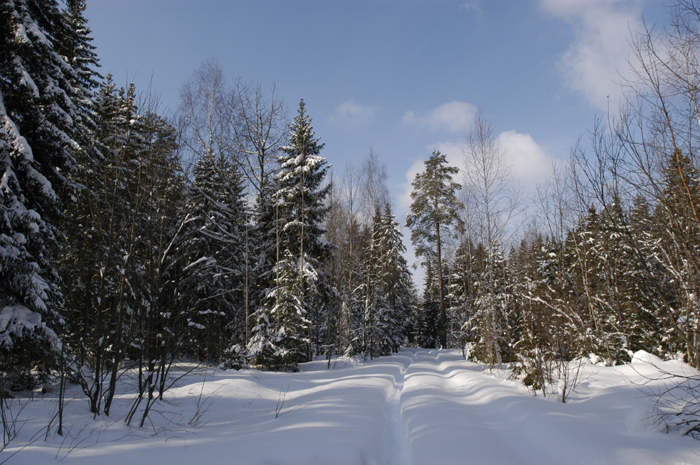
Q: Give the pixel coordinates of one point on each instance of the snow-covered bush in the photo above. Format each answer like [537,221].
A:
[234,358]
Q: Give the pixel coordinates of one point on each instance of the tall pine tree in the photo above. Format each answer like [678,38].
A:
[433,210]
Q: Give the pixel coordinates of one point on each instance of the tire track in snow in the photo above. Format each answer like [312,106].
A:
[398,446]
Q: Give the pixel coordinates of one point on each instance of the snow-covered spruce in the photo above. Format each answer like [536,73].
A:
[300,281]
[38,117]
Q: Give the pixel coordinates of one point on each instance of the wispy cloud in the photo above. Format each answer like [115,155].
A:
[596,61]
[453,117]
[353,114]
[472,6]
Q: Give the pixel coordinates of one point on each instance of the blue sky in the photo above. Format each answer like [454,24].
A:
[401,76]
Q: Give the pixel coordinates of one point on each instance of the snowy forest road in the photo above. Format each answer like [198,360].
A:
[398,449]
[417,407]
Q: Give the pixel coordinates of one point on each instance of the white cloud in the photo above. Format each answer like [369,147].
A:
[404,207]
[405,196]
[529,162]
[596,61]
[453,116]
[353,114]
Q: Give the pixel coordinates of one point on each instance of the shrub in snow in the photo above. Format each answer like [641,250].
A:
[531,371]
[234,357]
[677,401]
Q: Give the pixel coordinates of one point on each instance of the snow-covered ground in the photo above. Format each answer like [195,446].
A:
[416,407]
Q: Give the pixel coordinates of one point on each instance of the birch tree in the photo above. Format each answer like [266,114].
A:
[494,204]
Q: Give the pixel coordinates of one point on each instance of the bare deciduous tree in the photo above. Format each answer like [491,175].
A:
[259,124]
[207,112]
[373,189]
[495,202]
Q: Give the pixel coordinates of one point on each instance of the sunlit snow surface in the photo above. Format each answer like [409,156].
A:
[416,407]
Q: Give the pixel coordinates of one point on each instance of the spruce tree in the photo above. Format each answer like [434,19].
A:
[214,269]
[75,45]
[649,329]
[531,342]
[37,114]
[290,314]
[588,268]
[679,242]
[490,321]
[426,326]
[353,292]
[461,293]
[77,196]
[259,344]
[376,319]
[262,346]
[301,211]
[395,280]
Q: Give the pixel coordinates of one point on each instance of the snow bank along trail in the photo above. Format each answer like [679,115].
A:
[457,414]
